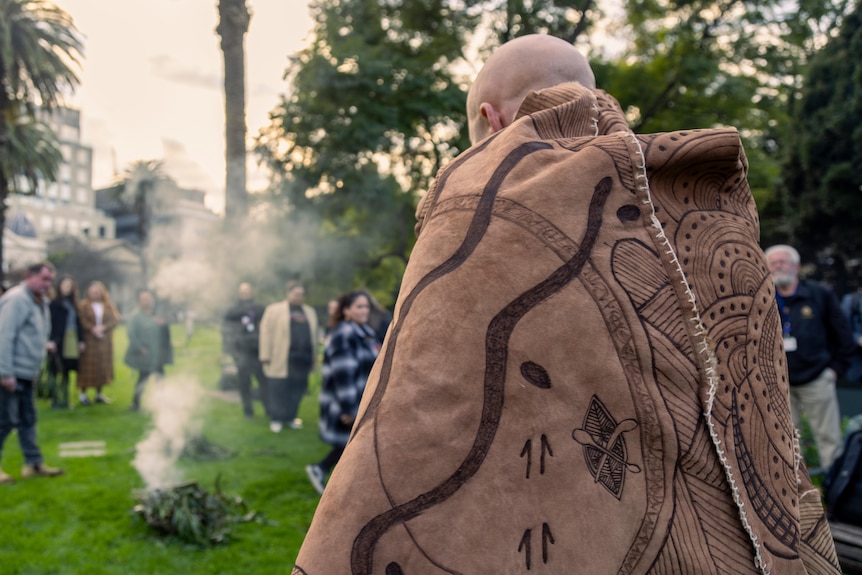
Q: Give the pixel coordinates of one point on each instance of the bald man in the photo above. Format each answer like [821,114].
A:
[518,67]
[585,371]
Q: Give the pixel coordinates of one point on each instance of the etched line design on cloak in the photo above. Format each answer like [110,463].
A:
[496,355]
[475,232]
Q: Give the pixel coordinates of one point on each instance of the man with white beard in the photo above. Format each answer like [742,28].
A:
[819,346]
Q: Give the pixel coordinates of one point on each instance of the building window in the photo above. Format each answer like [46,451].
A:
[46,222]
[102,231]
[82,195]
[65,191]
[65,172]
[52,190]
[83,177]
[69,133]
[60,225]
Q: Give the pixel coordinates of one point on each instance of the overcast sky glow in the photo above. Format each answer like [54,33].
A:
[151,83]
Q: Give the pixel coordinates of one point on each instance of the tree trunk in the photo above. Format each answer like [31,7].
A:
[234,18]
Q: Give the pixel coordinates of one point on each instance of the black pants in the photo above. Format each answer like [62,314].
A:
[331,458]
[248,365]
[286,393]
[143,376]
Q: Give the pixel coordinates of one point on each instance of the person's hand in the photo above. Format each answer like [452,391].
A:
[347,419]
[8,383]
[51,346]
[98,331]
[831,373]
[81,346]
[145,351]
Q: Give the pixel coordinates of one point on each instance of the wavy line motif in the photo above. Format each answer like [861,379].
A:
[475,232]
[496,354]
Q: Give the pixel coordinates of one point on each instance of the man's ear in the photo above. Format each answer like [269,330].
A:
[494,117]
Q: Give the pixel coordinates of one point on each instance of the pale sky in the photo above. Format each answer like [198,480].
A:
[151,83]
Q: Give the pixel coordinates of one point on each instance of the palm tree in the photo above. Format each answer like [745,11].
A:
[39,46]
[234,17]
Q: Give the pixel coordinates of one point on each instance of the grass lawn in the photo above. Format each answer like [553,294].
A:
[82,522]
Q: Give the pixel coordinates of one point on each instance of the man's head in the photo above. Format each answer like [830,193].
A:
[145,300]
[39,278]
[295,293]
[245,292]
[784,263]
[515,69]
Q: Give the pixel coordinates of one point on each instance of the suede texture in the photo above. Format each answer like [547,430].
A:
[584,373]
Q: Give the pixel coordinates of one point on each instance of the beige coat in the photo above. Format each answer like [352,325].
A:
[275,337]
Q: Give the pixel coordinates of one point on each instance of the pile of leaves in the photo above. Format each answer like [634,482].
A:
[191,514]
[199,448]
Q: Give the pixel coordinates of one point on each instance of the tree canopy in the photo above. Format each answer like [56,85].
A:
[822,184]
[375,109]
[376,102]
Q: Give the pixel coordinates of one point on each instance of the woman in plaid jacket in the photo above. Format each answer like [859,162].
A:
[349,355]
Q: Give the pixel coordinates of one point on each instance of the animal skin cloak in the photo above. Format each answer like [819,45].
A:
[585,371]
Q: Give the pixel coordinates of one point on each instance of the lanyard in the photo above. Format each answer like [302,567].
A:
[784,312]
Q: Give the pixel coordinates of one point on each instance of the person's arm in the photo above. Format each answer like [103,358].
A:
[58,326]
[110,320]
[134,333]
[849,305]
[840,336]
[312,326]
[266,336]
[79,328]
[11,319]
[87,317]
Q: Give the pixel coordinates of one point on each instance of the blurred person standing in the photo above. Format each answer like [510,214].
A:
[146,344]
[288,336]
[25,323]
[819,348]
[67,335]
[347,360]
[851,305]
[241,340]
[99,317]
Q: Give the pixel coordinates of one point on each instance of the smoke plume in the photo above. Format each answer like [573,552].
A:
[172,403]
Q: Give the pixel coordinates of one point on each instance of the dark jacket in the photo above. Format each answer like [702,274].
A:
[241,328]
[59,315]
[347,360]
[822,333]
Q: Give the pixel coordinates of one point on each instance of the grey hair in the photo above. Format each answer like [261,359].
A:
[794,255]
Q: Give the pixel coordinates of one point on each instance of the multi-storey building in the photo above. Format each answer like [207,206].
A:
[65,207]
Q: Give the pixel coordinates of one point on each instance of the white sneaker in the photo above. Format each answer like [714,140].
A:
[315,475]
[275,426]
